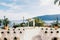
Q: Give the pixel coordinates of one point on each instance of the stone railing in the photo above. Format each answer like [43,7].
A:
[30,33]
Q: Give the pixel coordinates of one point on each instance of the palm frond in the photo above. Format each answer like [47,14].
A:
[59,2]
[55,1]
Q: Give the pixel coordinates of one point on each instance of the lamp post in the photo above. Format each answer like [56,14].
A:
[23,21]
[4,17]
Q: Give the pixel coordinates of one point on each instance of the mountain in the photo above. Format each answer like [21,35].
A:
[49,17]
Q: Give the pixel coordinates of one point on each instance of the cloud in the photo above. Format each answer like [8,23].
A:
[47,7]
[17,11]
[15,16]
[12,6]
[29,9]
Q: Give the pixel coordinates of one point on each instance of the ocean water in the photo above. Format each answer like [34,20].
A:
[50,21]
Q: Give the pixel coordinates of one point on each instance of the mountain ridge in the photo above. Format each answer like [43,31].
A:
[49,17]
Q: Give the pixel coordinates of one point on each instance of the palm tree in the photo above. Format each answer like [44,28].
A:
[57,1]
[5,22]
[38,22]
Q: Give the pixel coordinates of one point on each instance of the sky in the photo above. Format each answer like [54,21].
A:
[16,9]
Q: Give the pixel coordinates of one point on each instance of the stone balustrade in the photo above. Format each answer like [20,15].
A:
[30,33]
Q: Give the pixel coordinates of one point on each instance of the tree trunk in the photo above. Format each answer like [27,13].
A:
[6,27]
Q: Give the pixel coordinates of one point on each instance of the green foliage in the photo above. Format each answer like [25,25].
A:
[31,23]
[17,25]
[56,2]
[0,22]
[38,22]
[6,22]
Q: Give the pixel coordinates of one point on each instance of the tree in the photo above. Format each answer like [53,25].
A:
[22,24]
[16,25]
[0,22]
[38,22]
[57,21]
[6,22]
